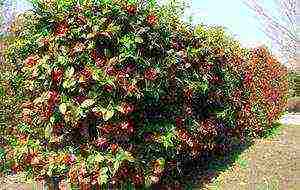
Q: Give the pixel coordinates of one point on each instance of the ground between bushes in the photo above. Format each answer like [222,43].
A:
[270,163]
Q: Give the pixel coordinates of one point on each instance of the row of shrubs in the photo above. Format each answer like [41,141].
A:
[119,92]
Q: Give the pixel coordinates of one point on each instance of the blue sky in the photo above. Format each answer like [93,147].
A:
[233,14]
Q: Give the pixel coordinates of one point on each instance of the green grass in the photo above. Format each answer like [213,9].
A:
[273,131]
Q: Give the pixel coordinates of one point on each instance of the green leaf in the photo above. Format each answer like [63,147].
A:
[103,179]
[13,141]
[64,98]
[98,74]
[70,72]
[24,128]
[91,46]
[152,3]
[69,83]
[107,52]
[203,87]
[56,117]
[161,162]
[139,40]
[87,103]
[2,153]
[48,131]
[2,91]
[116,166]
[99,158]
[106,1]
[63,108]
[107,114]
[62,60]
[50,169]
[91,159]
[104,170]
[121,156]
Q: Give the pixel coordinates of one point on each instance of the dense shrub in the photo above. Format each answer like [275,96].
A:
[116,93]
[266,85]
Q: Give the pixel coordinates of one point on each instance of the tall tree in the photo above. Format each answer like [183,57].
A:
[280,29]
[7,8]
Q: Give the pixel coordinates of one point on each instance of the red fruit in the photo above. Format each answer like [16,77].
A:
[77,8]
[248,77]
[71,158]
[53,97]
[45,114]
[101,142]
[31,60]
[151,19]
[214,79]
[121,75]
[86,73]
[94,178]
[40,178]
[15,168]
[79,99]
[114,148]
[108,88]
[137,179]
[179,121]
[189,111]
[94,54]
[57,74]
[81,20]
[61,30]
[151,74]
[130,68]
[124,172]
[100,62]
[208,67]
[23,138]
[237,94]
[148,136]
[58,128]
[79,47]
[132,88]
[176,45]
[106,129]
[110,71]
[188,93]
[273,95]
[128,126]
[247,108]
[28,158]
[126,108]
[105,34]
[183,135]
[131,9]
[172,163]
[45,41]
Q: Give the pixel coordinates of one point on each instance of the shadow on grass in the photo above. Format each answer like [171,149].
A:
[196,174]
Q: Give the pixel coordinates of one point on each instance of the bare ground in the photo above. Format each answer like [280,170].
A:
[269,164]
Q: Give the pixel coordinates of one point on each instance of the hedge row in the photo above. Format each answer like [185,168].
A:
[118,92]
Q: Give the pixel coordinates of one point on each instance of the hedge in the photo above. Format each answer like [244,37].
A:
[119,92]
